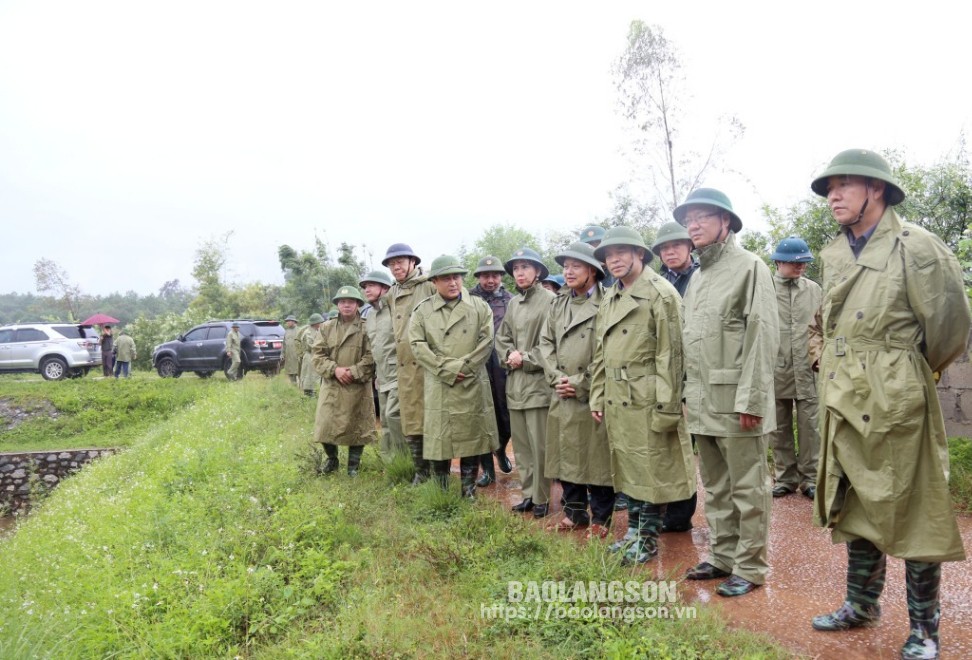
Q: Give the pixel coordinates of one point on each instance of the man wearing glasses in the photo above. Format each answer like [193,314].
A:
[730,336]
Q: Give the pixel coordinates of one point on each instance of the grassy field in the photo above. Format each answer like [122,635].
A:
[212,536]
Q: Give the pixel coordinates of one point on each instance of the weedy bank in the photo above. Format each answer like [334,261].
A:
[211,536]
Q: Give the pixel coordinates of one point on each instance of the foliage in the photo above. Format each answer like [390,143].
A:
[208,539]
[758,243]
[212,294]
[93,413]
[149,333]
[51,277]
[652,97]
[312,278]
[960,473]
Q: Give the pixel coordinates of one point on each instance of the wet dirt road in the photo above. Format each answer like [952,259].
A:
[807,577]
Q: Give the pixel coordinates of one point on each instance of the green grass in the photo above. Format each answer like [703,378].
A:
[960,475]
[212,537]
[95,412]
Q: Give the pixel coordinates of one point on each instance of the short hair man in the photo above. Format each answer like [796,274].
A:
[731,337]
[381,333]
[489,273]
[636,390]
[797,299]
[894,314]
[410,288]
[451,334]
[343,358]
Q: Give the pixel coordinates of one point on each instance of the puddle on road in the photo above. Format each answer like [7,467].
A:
[806,578]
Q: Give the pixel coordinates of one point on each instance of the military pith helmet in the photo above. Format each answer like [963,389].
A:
[234,324]
[399,250]
[860,162]
[489,264]
[446,264]
[291,317]
[793,249]
[581,251]
[333,314]
[527,254]
[592,234]
[349,292]
[314,319]
[668,232]
[709,197]
[623,236]
[377,276]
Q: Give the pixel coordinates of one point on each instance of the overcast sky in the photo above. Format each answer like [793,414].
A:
[131,131]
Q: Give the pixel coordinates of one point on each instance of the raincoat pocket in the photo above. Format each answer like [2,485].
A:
[722,389]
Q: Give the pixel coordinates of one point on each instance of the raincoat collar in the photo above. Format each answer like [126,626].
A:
[711,254]
[878,248]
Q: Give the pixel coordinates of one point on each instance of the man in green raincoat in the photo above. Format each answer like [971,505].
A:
[577,447]
[410,288]
[345,408]
[798,299]
[233,344]
[381,332]
[527,393]
[636,390]
[291,351]
[451,334]
[310,380]
[731,337]
[894,315]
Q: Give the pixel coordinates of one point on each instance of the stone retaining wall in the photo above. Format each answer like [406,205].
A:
[955,392]
[39,471]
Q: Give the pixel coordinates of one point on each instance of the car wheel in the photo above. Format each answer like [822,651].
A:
[54,368]
[167,368]
[204,374]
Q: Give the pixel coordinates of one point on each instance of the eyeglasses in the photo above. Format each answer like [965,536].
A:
[696,219]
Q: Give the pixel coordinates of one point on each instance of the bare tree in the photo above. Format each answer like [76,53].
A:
[51,278]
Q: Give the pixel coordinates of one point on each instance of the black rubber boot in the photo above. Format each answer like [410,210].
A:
[923,580]
[354,460]
[332,463]
[440,471]
[489,472]
[633,534]
[468,467]
[421,465]
[866,568]
[502,459]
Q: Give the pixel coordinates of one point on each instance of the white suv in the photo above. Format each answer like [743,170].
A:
[55,350]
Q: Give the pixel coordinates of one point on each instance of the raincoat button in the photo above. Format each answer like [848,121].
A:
[860,315]
[905,232]
[831,375]
[866,418]
[624,404]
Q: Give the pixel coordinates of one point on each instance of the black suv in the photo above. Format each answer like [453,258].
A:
[203,349]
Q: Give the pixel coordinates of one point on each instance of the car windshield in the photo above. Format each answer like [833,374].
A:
[268,329]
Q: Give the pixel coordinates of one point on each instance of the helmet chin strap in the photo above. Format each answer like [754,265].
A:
[860,216]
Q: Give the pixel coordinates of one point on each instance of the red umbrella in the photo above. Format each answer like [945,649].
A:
[99,319]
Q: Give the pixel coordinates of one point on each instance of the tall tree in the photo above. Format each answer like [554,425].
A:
[652,94]
[311,278]
[212,297]
[51,278]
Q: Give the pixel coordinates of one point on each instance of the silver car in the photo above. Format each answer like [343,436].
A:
[55,350]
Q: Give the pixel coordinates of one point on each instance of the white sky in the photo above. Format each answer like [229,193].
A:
[131,131]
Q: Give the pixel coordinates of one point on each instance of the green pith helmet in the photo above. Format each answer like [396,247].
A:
[592,234]
[793,249]
[349,292]
[710,197]
[623,236]
[527,254]
[489,264]
[668,232]
[446,264]
[860,162]
[581,251]
[333,314]
[399,250]
[314,319]
[377,276]
[291,317]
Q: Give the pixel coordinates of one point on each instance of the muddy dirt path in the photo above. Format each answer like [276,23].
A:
[806,578]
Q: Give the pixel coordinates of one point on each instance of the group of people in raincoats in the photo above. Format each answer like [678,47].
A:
[607,388]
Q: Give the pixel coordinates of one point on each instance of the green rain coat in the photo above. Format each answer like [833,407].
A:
[577,446]
[381,333]
[798,300]
[291,352]
[345,413]
[448,338]
[637,383]
[124,348]
[731,334]
[402,299]
[890,319]
[526,313]
[310,380]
